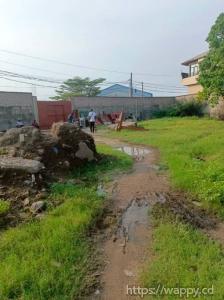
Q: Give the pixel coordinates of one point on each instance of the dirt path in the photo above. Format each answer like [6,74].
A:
[132,195]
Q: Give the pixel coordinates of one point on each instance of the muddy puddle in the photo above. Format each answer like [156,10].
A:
[136,214]
[136,152]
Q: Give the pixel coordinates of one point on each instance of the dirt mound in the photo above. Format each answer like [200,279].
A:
[30,159]
[65,147]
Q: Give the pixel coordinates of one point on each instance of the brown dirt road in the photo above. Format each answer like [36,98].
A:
[132,194]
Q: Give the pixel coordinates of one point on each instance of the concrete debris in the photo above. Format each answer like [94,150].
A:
[84,152]
[125,125]
[129,124]
[15,136]
[37,207]
[29,150]
[26,202]
[30,159]
[20,164]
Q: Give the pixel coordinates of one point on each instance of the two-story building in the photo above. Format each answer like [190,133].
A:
[190,78]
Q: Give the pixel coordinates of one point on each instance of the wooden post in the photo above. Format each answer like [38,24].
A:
[118,126]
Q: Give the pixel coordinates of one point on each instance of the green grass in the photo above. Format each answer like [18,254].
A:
[102,170]
[193,151]
[184,257]
[53,258]
[4,207]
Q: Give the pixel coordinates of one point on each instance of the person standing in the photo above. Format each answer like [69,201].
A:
[92,120]
[71,117]
[35,124]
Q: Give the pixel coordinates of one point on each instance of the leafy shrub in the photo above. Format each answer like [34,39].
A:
[181,109]
[4,207]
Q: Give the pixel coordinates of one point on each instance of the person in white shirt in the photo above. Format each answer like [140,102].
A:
[92,120]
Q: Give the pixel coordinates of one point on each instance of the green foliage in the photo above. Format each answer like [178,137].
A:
[211,75]
[53,258]
[78,86]
[49,259]
[181,109]
[193,151]
[4,207]
[184,257]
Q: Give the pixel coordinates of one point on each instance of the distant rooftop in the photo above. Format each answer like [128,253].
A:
[195,58]
[118,90]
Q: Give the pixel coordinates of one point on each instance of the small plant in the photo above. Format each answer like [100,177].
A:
[4,207]
[3,151]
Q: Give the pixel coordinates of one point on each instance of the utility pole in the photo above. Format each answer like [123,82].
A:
[34,90]
[142,89]
[131,87]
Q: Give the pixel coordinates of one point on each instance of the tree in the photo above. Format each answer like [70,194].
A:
[211,75]
[78,86]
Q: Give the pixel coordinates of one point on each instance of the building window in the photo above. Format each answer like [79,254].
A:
[194,69]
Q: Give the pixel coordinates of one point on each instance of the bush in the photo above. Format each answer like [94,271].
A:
[4,207]
[181,109]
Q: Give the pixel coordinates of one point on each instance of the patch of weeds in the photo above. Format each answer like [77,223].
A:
[182,257]
[4,207]
[3,151]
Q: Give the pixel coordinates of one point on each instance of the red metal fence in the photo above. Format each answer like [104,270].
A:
[53,111]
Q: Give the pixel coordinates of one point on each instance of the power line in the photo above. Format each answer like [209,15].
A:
[34,68]
[168,91]
[153,87]
[45,79]
[30,83]
[29,77]
[163,89]
[80,66]
[159,85]
[62,63]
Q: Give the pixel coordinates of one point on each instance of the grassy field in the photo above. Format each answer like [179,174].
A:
[184,258]
[52,258]
[193,151]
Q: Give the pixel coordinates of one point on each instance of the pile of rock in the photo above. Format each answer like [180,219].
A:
[27,150]
[30,158]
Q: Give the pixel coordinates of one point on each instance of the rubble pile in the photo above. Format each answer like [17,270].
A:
[30,158]
[29,150]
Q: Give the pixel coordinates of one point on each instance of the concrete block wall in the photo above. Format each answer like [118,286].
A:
[14,106]
[142,107]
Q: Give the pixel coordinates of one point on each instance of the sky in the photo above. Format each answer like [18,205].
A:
[147,37]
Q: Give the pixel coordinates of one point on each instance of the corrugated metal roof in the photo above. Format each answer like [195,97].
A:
[118,88]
